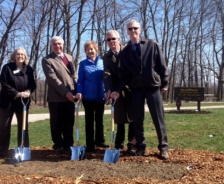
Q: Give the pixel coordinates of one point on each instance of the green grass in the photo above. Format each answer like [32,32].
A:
[184,104]
[185,131]
[190,104]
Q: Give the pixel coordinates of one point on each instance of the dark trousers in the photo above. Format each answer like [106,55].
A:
[120,136]
[62,122]
[94,112]
[155,105]
[5,128]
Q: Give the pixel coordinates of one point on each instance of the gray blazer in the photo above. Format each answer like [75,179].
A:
[60,79]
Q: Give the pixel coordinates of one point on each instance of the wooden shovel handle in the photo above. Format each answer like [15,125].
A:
[24,120]
[76,116]
[112,117]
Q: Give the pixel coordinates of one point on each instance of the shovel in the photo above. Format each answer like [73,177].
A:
[23,153]
[112,155]
[78,152]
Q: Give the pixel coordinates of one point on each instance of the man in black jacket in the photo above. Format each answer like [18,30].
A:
[144,69]
[122,109]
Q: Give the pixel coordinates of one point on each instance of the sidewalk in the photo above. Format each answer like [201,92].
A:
[38,117]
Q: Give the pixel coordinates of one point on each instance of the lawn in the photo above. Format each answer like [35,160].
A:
[41,110]
[185,131]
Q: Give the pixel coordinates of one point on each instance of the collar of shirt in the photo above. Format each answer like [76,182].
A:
[61,55]
[138,42]
[116,52]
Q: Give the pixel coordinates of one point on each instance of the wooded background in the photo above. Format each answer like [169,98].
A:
[190,33]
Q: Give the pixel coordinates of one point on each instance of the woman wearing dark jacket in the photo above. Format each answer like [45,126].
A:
[90,89]
[17,81]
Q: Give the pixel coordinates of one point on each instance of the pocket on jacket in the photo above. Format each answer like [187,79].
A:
[156,77]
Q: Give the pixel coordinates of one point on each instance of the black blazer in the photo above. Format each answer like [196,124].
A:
[14,81]
[148,72]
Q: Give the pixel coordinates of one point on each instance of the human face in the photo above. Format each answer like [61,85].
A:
[113,42]
[57,46]
[20,57]
[91,52]
[134,33]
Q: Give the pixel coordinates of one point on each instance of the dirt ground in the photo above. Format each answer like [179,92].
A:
[184,166]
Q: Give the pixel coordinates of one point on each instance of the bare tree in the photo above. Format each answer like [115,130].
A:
[219,4]
[9,22]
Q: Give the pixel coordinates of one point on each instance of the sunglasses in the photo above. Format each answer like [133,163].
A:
[109,39]
[131,28]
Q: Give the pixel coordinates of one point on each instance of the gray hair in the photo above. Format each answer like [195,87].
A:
[54,38]
[13,55]
[113,31]
[132,21]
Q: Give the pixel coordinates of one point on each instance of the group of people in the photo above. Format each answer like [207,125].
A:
[127,74]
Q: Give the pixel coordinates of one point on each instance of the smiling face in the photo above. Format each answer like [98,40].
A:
[20,57]
[57,46]
[91,52]
[134,30]
[113,42]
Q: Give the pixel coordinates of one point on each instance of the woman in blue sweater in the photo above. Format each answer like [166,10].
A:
[90,90]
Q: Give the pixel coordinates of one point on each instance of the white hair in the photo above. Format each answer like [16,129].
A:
[54,38]
[113,31]
[132,21]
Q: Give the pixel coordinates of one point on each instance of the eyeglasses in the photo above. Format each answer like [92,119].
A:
[131,28]
[109,39]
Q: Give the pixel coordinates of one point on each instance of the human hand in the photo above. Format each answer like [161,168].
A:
[115,95]
[108,97]
[163,90]
[25,94]
[78,96]
[18,95]
[70,96]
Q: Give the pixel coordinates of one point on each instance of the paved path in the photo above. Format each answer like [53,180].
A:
[38,117]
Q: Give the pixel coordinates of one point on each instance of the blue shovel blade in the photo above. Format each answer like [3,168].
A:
[75,151]
[111,156]
[116,155]
[78,152]
[17,154]
[82,152]
[22,153]
[108,156]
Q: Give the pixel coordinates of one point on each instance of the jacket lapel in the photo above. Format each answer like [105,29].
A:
[60,61]
[143,49]
[133,56]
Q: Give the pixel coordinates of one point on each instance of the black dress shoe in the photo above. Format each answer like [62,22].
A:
[59,150]
[131,149]
[67,148]
[140,152]
[91,150]
[3,153]
[120,147]
[103,145]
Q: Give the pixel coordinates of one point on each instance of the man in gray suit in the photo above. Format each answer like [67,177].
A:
[60,75]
